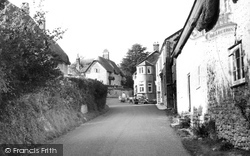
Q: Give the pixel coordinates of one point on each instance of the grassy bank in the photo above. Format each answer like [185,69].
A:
[51,111]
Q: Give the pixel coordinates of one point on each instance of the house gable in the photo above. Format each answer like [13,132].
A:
[145,63]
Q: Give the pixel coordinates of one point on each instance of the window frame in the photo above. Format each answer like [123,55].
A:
[150,85]
[237,64]
[141,87]
[150,69]
[141,70]
[96,70]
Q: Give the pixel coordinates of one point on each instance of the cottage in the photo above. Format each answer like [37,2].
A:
[105,70]
[212,63]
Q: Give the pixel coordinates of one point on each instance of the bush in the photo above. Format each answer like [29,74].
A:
[27,60]
[95,91]
[27,64]
[206,129]
[185,122]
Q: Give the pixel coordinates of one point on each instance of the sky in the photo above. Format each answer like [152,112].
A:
[115,25]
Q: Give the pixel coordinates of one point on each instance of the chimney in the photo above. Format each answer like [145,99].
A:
[106,54]
[156,46]
[25,7]
[78,62]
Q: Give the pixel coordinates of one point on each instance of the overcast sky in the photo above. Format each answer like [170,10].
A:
[95,25]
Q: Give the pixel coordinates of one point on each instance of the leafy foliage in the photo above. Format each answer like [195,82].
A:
[26,59]
[133,57]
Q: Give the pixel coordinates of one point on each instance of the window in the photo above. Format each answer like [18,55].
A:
[150,88]
[141,87]
[237,68]
[96,70]
[149,70]
[136,89]
[141,70]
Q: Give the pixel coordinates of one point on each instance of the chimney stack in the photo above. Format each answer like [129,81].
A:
[78,62]
[25,7]
[106,54]
[156,46]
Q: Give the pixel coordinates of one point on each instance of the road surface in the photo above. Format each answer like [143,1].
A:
[125,130]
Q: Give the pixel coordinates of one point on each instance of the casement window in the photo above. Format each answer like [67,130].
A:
[150,90]
[237,64]
[141,87]
[149,70]
[141,70]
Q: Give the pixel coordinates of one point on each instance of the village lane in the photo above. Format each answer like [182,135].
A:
[125,130]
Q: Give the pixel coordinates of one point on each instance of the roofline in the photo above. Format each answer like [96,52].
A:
[188,28]
[148,57]
[164,42]
[89,66]
[145,61]
[121,73]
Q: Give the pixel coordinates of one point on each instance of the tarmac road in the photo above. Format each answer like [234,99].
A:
[125,130]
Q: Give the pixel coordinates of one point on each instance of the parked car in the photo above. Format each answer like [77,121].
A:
[140,99]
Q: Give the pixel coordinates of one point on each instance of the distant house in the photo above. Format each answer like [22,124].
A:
[165,73]
[105,70]
[9,18]
[78,68]
[144,77]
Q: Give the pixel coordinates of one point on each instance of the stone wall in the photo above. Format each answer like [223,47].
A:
[223,108]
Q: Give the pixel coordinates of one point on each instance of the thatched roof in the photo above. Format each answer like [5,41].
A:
[209,16]
[109,65]
[11,16]
[60,52]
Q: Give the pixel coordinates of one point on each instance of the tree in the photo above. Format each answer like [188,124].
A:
[26,59]
[133,57]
